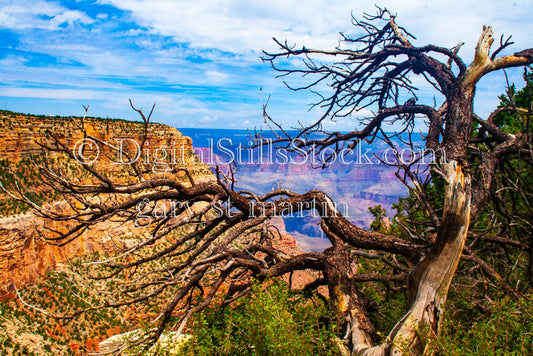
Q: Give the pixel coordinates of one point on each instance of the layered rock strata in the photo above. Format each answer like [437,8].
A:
[25,255]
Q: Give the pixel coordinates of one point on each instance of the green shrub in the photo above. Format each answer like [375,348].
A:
[506,330]
[272,321]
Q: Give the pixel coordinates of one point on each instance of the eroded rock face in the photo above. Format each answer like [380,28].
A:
[25,255]
[20,134]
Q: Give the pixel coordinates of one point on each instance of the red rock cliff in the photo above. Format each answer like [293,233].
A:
[24,255]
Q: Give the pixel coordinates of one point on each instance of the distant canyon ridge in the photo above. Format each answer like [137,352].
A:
[355,182]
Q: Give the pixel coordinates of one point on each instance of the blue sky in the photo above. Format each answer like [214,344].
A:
[199,60]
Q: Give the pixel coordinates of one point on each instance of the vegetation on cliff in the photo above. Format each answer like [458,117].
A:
[25,255]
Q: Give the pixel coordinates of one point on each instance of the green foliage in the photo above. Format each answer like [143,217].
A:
[510,213]
[25,174]
[506,330]
[271,321]
[66,119]
[379,215]
[514,98]
[392,306]
[59,293]
[480,319]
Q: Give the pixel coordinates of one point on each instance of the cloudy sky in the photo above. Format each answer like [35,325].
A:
[200,60]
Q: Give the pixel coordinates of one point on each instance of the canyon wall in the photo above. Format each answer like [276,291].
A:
[21,134]
[24,253]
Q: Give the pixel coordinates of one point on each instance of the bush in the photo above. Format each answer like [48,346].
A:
[272,321]
[506,330]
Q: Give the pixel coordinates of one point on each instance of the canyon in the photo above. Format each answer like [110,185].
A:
[25,255]
[355,182]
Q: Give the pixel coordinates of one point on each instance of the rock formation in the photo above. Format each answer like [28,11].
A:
[20,133]
[24,253]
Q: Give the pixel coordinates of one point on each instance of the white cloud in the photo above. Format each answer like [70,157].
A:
[207,119]
[239,26]
[216,77]
[70,17]
[11,61]
[446,23]
[243,26]
[26,14]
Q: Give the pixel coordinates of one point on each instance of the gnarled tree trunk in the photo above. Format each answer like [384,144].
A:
[346,302]
[430,279]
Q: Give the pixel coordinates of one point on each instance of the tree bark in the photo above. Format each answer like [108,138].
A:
[530,265]
[347,303]
[430,279]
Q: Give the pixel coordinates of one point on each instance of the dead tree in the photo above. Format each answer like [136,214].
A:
[225,238]
[376,71]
